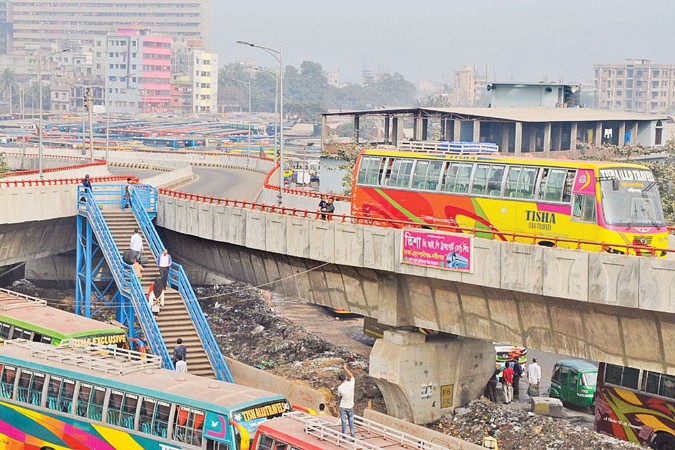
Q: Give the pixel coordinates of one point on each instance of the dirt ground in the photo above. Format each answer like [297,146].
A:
[250,326]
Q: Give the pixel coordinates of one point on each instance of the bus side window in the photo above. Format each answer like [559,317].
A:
[153,417]
[569,183]
[188,424]
[7,381]
[584,209]
[114,408]
[83,399]
[4,330]
[266,443]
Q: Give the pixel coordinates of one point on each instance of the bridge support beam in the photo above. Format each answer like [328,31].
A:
[423,380]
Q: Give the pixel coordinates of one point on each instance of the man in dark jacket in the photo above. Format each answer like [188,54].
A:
[517,374]
[179,352]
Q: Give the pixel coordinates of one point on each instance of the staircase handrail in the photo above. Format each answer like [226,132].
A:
[127,282]
[179,279]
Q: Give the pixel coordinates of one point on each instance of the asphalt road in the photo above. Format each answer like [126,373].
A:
[225,183]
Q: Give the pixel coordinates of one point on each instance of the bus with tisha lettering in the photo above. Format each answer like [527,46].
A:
[589,205]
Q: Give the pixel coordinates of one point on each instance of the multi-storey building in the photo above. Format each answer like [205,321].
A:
[636,85]
[137,72]
[62,21]
[195,78]
[470,88]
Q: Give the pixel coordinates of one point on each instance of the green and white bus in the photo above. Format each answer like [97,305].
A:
[109,398]
[29,318]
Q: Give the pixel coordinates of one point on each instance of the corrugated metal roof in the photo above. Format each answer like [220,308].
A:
[522,114]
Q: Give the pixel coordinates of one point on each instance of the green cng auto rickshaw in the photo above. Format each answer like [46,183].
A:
[573,382]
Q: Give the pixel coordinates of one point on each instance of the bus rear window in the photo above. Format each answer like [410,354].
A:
[622,376]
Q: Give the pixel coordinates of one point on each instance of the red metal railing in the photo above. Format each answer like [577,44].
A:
[299,192]
[63,181]
[55,169]
[361,220]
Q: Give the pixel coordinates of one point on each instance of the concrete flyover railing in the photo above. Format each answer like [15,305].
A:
[618,280]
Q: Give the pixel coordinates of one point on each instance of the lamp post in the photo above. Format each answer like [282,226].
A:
[247,83]
[40,149]
[278,55]
[276,106]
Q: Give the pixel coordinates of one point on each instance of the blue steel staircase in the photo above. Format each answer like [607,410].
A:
[101,217]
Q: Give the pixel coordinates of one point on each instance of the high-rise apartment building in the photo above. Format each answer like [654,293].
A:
[470,87]
[57,22]
[636,85]
[195,77]
[137,72]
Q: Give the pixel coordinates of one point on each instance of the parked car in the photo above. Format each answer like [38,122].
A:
[573,382]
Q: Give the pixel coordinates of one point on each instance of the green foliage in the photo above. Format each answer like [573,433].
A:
[4,168]
[307,93]
[347,154]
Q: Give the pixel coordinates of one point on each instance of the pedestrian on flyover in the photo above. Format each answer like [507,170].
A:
[517,375]
[507,383]
[136,244]
[322,205]
[346,393]
[156,295]
[127,194]
[86,182]
[179,352]
[533,378]
[329,209]
[322,410]
[164,263]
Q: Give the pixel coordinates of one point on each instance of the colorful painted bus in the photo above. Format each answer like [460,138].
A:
[26,317]
[606,205]
[300,431]
[108,398]
[636,405]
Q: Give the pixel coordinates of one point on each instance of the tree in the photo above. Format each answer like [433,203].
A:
[4,168]
[7,85]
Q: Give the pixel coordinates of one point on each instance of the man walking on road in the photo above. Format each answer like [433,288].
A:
[517,375]
[346,393]
[533,378]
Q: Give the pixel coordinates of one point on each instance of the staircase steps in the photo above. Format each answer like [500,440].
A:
[173,319]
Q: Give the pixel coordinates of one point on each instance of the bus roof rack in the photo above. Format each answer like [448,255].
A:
[453,147]
[99,358]
[10,300]
[324,430]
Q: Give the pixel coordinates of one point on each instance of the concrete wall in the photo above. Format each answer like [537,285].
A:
[590,305]
[26,241]
[420,431]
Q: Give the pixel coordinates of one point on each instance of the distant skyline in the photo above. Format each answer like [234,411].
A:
[428,40]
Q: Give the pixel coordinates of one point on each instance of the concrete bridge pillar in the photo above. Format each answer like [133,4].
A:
[423,378]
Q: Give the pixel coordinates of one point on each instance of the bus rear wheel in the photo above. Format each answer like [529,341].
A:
[663,441]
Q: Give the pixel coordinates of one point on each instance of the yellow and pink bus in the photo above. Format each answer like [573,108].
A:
[588,205]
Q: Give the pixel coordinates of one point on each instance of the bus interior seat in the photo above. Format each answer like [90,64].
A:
[494,193]
[478,190]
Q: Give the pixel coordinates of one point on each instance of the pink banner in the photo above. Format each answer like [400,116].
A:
[449,251]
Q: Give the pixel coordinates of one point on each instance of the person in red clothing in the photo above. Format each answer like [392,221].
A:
[507,377]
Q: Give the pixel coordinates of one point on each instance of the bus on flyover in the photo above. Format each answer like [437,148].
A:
[610,206]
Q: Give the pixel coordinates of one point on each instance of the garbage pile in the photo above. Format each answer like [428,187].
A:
[250,330]
[518,429]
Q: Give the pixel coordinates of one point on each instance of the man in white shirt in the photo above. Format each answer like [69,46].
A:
[136,244]
[164,263]
[346,393]
[533,378]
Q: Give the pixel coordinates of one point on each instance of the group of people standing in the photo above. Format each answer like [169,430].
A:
[326,207]
[510,378]
[155,292]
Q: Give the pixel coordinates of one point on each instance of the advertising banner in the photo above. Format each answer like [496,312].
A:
[449,251]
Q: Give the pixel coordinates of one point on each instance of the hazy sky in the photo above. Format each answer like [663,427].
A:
[518,40]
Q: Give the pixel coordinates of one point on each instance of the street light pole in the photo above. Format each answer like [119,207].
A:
[276,108]
[278,55]
[40,148]
[247,83]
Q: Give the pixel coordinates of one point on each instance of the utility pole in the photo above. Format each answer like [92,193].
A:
[88,100]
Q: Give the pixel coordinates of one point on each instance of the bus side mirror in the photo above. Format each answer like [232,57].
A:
[616,184]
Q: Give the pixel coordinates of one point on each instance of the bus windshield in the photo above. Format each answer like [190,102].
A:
[589,378]
[630,198]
